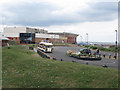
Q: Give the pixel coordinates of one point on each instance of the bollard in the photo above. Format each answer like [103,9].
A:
[73,61]
[99,55]
[115,57]
[54,58]
[105,66]
[104,55]
[109,56]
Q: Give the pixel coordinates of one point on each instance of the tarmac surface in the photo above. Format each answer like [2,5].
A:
[60,53]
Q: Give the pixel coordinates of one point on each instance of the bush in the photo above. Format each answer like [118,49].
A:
[69,52]
[31,48]
[94,47]
[9,47]
[112,46]
[101,48]
[104,49]
[87,46]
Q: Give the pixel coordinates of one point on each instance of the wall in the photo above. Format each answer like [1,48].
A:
[16,39]
[36,30]
[71,39]
[37,35]
[37,40]
[14,30]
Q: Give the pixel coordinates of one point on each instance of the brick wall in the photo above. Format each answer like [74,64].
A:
[71,39]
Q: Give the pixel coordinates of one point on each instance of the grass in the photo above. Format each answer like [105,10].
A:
[26,69]
[32,45]
[110,49]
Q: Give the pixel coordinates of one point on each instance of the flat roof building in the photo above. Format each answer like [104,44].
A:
[24,34]
[13,33]
[68,37]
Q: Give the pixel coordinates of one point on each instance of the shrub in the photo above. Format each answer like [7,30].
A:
[87,46]
[31,48]
[9,47]
[69,52]
[94,47]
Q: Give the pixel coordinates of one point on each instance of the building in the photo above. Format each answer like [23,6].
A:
[5,41]
[35,30]
[67,37]
[24,30]
[46,37]
[28,35]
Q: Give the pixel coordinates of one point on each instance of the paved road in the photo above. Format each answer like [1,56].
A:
[60,53]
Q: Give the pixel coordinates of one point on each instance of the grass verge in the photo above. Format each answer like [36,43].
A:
[110,49]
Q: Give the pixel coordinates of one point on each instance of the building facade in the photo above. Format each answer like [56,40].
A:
[27,35]
[67,37]
[5,41]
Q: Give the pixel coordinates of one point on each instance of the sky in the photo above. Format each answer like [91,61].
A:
[98,18]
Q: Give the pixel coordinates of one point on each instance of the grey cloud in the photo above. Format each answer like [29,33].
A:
[101,11]
[39,14]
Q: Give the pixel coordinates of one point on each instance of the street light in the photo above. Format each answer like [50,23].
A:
[81,38]
[87,38]
[116,43]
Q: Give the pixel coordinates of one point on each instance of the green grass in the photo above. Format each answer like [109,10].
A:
[110,49]
[25,69]
[32,45]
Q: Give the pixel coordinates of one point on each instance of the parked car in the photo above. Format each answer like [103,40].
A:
[84,50]
[81,44]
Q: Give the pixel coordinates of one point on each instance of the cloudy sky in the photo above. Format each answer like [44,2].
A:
[98,18]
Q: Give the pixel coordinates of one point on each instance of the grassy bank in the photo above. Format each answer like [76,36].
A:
[25,69]
[110,49]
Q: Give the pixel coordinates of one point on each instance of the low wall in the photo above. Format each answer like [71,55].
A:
[42,54]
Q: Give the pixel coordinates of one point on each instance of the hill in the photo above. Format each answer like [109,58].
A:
[26,69]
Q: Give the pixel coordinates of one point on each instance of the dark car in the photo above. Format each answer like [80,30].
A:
[87,51]
[81,44]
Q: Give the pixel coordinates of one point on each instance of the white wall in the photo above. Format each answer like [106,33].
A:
[11,34]
[14,30]
[46,36]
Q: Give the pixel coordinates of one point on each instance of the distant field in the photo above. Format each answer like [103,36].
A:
[25,69]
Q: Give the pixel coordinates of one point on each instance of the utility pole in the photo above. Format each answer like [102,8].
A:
[81,39]
[116,44]
[87,38]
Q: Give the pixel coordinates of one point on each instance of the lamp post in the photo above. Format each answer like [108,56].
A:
[87,38]
[81,39]
[116,43]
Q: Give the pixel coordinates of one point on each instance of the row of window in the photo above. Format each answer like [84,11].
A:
[27,35]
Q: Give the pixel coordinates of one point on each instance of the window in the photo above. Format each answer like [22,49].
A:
[28,38]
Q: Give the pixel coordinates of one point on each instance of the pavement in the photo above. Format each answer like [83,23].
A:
[60,53]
